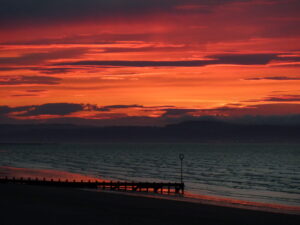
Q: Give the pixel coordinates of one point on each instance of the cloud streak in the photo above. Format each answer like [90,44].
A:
[23,80]
[276,78]
[41,57]
[53,109]
[238,59]
[61,109]
[282,98]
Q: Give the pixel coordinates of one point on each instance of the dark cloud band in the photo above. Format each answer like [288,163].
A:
[239,59]
[276,78]
[47,10]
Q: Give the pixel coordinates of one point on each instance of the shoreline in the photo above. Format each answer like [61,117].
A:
[208,200]
[188,197]
[50,205]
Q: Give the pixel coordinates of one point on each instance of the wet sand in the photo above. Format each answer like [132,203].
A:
[23,204]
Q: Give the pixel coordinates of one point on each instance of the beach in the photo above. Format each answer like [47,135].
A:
[25,204]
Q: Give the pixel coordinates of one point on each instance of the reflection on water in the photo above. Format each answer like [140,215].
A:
[48,174]
[251,172]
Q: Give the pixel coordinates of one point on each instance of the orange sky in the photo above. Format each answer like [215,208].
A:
[160,60]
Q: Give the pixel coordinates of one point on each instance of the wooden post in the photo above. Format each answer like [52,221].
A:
[154,187]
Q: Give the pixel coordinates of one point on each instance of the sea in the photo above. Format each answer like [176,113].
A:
[263,173]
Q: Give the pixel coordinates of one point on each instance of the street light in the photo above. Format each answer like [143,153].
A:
[181,157]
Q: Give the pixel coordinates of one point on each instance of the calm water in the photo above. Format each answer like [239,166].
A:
[256,172]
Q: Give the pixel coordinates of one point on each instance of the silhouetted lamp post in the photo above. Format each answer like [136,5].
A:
[181,157]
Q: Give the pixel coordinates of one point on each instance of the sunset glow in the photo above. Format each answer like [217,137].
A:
[148,62]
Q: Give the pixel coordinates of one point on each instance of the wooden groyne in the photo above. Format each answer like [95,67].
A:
[163,188]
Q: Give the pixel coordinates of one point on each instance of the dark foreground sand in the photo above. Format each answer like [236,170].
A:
[21,205]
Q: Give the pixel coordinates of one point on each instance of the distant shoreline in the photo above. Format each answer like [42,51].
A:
[185,132]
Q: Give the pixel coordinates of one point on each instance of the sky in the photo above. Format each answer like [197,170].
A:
[133,62]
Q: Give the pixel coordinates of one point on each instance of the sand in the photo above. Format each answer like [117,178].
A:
[24,204]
